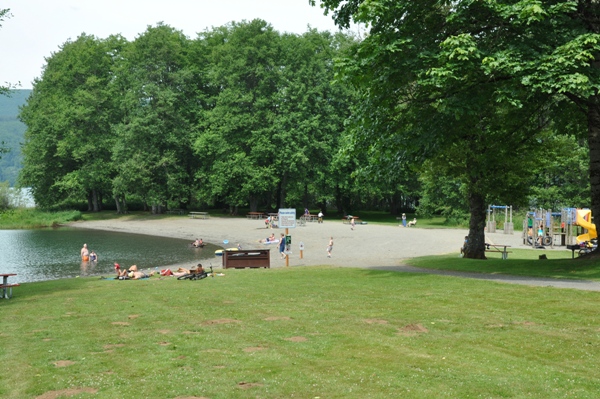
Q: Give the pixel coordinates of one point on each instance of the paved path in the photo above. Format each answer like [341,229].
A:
[584,285]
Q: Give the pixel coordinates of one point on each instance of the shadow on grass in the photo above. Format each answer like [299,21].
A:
[563,267]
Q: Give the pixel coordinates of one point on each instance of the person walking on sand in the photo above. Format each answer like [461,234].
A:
[329,247]
[404,219]
[320,216]
[352,224]
[85,253]
[282,246]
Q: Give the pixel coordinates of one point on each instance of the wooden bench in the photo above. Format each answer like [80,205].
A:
[498,248]
[199,215]
[7,290]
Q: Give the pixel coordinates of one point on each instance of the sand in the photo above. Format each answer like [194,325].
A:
[367,245]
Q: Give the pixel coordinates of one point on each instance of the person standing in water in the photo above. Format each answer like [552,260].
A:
[85,253]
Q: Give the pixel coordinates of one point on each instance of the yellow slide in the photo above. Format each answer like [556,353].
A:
[583,219]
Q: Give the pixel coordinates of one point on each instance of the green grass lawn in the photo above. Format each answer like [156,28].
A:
[520,262]
[311,332]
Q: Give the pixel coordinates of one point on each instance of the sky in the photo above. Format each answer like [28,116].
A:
[38,28]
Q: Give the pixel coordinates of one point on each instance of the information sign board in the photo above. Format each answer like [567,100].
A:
[287,218]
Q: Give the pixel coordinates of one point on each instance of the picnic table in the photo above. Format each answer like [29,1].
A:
[6,287]
[310,218]
[199,215]
[498,248]
[255,215]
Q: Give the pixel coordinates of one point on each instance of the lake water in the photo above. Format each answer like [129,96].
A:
[49,254]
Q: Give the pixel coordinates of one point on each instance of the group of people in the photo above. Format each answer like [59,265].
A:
[87,255]
[198,243]
[130,273]
[407,223]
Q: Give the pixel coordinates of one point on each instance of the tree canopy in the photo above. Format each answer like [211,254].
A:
[240,116]
[473,87]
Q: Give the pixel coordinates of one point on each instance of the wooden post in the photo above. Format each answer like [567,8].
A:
[287,257]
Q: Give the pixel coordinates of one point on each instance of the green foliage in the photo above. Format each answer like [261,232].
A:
[68,116]
[151,152]
[336,336]
[240,116]
[472,87]
[27,218]
[561,177]
[442,195]
[5,196]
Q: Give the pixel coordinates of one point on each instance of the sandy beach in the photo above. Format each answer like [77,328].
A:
[367,245]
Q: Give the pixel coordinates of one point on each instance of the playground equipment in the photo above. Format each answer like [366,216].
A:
[543,227]
[584,219]
[492,215]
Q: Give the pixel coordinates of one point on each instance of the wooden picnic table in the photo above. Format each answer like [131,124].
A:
[199,215]
[6,287]
[498,248]
[310,218]
[255,215]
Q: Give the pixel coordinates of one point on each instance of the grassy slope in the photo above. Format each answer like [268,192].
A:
[300,332]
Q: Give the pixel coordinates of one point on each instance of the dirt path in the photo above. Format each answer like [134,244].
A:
[367,246]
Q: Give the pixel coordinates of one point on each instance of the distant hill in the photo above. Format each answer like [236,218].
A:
[12,131]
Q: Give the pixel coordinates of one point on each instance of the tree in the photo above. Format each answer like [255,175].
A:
[152,153]
[235,137]
[428,95]
[310,120]
[69,114]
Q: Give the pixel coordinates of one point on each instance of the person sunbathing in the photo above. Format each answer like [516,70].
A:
[269,239]
[182,271]
[132,273]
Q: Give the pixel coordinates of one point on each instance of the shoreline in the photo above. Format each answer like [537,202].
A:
[375,247]
[366,246]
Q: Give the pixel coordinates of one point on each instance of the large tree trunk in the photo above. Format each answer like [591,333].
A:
[475,248]
[90,206]
[118,205]
[305,196]
[95,201]
[253,201]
